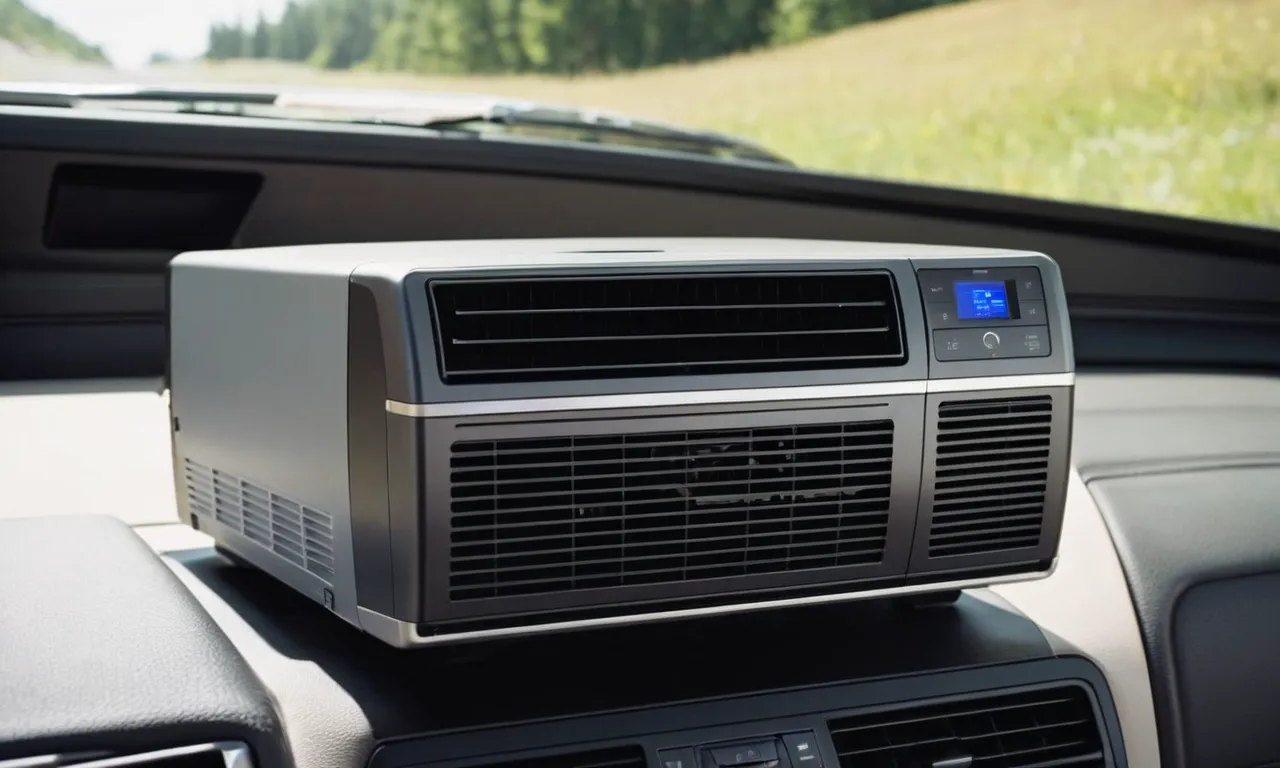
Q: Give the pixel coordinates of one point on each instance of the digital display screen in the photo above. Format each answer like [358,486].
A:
[981,301]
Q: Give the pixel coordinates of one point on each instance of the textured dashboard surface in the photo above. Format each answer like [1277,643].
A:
[1086,604]
[406,692]
[101,649]
[1185,472]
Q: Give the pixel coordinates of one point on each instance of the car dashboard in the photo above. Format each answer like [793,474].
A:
[129,639]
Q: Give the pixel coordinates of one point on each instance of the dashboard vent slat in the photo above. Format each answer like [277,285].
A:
[991,475]
[1034,729]
[557,514]
[614,757]
[564,328]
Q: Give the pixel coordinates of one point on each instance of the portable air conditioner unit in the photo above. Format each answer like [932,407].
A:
[457,440]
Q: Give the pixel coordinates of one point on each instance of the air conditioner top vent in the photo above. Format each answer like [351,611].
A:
[1035,729]
[562,328]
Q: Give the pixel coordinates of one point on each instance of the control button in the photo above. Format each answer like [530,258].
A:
[942,315]
[1028,283]
[745,754]
[1028,342]
[949,345]
[990,340]
[935,285]
[803,750]
[1032,312]
[677,758]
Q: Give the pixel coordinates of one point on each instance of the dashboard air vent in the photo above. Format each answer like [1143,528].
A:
[227,754]
[541,329]
[991,475]
[616,757]
[1037,729]
[558,514]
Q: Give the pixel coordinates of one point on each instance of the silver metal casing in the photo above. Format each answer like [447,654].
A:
[313,429]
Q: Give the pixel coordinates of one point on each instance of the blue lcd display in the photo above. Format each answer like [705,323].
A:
[981,301]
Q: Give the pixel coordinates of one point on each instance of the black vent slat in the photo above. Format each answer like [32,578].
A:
[560,328]
[1033,729]
[556,514]
[991,476]
[617,757]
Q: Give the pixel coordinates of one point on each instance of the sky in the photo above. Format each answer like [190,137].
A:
[129,31]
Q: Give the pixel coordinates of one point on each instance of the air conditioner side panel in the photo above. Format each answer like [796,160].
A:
[258,385]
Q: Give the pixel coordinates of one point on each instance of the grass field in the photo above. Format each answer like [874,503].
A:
[1165,105]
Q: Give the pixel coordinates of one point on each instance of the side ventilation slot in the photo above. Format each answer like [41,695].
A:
[1053,728]
[562,328]
[300,534]
[617,757]
[991,475]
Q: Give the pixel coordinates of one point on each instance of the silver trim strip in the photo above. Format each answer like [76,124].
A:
[405,635]
[724,396]
[1028,381]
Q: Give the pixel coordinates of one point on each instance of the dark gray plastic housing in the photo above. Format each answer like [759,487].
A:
[313,430]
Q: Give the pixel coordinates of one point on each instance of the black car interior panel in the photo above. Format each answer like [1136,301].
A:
[111,655]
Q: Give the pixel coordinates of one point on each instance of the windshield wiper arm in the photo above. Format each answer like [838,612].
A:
[437,112]
[76,95]
[592,126]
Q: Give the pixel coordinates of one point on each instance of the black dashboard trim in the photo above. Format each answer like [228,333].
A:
[553,676]
[1172,542]
[103,649]
[244,138]
[745,717]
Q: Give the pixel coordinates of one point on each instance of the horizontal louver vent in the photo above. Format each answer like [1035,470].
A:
[992,473]
[297,533]
[617,757]
[557,514]
[505,330]
[1037,729]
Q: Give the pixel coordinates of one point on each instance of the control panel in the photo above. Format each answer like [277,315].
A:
[788,750]
[980,314]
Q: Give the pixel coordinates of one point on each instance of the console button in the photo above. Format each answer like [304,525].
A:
[991,340]
[942,315]
[1029,287]
[959,344]
[745,754]
[935,285]
[802,748]
[1028,341]
[1031,312]
[677,758]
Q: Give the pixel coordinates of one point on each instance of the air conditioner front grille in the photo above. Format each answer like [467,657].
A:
[541,329]
[1055,727]
[991,475]
[557,514]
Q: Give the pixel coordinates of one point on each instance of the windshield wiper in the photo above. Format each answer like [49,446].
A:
[444,113]
[600,127]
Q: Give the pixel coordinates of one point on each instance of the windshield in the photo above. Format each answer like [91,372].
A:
[1170,106]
